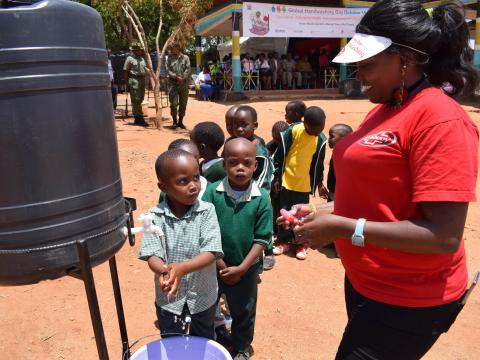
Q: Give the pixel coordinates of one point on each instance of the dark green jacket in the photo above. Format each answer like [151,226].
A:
[264,173]
[316,167]
[243,223]
[215,172]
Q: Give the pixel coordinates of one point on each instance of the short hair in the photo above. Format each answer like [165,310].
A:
[249,109]
[344,128]
[238,140]
[178,143]
[314,116]
[208,133]
[167,155]
[279,126]
[233,109]
[298,106]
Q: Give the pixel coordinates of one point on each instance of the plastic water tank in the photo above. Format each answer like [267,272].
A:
[60,177]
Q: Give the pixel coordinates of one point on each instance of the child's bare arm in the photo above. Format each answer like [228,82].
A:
[178,270]
[252,256]
[158,267]
[232,274]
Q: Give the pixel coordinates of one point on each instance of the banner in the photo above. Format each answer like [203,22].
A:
[273,20]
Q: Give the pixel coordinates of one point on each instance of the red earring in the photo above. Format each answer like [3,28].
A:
[400,95]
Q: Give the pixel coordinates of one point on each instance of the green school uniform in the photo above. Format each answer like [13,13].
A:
[215,171]
[243,222]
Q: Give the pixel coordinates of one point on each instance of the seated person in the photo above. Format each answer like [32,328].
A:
[290,72]
[265,72]
[305,69]
[204,83]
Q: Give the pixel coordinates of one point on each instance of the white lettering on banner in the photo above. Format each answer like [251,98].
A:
[274,20]
[382,138]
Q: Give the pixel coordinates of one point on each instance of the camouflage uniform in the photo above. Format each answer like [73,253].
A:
[137,69]
[178,67]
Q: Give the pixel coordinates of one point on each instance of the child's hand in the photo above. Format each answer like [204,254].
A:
[221,264]
[163,279]
[276,187]
[175,274]
[322,191]
[231,275]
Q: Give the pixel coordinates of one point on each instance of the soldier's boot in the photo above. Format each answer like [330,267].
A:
[140,121]
[174,125]
[180,123]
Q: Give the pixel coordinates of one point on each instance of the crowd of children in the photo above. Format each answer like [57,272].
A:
[218,217]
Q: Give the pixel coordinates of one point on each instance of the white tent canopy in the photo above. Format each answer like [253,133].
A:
[255,45]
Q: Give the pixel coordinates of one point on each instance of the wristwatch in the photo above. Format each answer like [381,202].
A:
[357,238]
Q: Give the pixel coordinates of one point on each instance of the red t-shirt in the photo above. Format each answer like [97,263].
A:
[427,150]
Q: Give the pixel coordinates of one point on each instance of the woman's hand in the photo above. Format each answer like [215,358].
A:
[317,230]
[301,211]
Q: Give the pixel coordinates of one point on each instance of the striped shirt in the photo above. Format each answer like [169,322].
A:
[184,238]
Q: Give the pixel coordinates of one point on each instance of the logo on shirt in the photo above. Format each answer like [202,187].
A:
[383,138]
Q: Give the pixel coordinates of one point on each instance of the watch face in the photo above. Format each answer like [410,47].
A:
[358,240]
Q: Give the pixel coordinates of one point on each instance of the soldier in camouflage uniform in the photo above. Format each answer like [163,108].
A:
[178,68]
[135,71]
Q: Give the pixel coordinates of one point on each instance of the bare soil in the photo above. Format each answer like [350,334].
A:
[300,313]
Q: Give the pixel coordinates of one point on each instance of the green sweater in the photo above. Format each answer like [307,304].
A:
[242,223]
[264,172]
[215,172]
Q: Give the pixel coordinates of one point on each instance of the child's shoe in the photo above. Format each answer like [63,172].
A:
[242,356]
[280,248]
[268,262]
[301,253]
[223,336]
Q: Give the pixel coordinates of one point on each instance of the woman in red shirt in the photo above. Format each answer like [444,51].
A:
[410,170]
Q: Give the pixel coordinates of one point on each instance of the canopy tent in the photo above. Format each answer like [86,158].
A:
[228,18]
[219,21]
[255,46]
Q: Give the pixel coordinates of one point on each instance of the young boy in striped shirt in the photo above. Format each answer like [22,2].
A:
[183,256]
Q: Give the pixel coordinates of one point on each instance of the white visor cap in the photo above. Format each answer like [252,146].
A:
[362,47]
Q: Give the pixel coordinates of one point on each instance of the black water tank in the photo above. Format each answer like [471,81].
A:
[59,168]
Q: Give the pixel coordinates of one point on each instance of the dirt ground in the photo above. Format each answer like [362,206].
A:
[300,313]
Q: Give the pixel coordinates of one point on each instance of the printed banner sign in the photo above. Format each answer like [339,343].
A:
[273,20]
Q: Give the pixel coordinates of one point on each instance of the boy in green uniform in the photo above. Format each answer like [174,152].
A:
[183,255]
[229,115]
[209,138]
[135,69]
[245,217]
[244,124]
[294,111]
[299,169]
